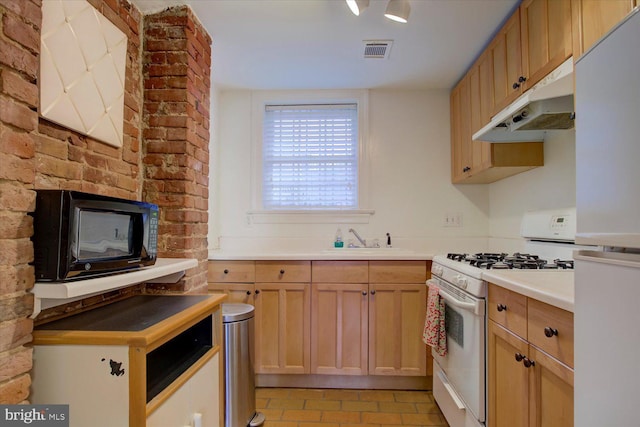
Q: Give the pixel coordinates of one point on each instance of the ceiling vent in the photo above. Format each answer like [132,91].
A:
[377,49]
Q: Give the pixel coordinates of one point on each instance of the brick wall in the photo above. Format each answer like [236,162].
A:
[177,60]
[35,153]
[19,58]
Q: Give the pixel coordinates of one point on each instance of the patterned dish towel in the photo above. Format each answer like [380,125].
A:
[434,334]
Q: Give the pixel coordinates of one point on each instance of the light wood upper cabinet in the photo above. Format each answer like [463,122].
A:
[507,63]
[461,148]
[481,105]
[594,18]
[474,162]
[545,36]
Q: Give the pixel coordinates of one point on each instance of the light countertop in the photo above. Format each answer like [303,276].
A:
[554,287]
[327,254]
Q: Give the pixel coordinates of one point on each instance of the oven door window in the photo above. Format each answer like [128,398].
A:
[454,325]
[103,235]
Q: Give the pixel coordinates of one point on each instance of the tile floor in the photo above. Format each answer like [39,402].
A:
[295,407]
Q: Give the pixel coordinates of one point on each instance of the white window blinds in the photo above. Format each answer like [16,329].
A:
[310,157]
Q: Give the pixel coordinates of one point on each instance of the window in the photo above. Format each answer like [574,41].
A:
[310,157]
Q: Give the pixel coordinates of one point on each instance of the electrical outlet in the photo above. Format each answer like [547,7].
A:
[452,219]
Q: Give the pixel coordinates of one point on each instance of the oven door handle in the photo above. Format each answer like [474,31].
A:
[475,307]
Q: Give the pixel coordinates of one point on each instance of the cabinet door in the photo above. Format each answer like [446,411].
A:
[594,18]
[508,398]
[339,328]
[481,99]
[546,37]
[396,323]
[282,328]
[460,131]
[551,391]
[236,292]
[198,397]
[507,63]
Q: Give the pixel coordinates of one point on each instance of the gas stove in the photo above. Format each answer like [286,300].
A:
[464,270]
[503,261]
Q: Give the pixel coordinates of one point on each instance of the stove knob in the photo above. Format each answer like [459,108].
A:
[461,281]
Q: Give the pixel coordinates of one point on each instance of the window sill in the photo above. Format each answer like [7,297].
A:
[359,216]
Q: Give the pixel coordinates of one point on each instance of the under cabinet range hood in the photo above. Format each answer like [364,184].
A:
[547,105]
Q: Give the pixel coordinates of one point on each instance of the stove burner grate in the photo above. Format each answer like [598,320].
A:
[492,260]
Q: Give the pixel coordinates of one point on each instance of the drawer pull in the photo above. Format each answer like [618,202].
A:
[519,357]
[226,271]
[281,271]
[528,363]
[502,307]
[549,332]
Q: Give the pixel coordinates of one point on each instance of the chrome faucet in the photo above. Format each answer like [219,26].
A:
[362,241]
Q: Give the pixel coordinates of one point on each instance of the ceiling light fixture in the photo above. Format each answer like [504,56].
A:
[357,6]
[398,10]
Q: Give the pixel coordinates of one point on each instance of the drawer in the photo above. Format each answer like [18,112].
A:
[397,271]
[543,316]
[283,271]
[236,292]
[508,309]
[340,271]
[231,272]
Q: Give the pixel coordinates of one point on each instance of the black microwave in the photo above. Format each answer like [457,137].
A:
[78,235]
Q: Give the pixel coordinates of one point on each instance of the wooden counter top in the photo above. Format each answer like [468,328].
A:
[137,321]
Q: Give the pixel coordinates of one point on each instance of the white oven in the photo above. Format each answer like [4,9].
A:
[459,384]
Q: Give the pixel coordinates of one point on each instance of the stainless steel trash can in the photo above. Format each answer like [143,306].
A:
[239,378]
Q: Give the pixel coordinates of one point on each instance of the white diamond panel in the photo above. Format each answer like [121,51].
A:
[82,70]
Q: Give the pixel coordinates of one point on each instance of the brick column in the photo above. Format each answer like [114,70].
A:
[176,74]
[19,63]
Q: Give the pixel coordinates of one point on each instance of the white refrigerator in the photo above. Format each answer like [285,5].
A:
[607,282]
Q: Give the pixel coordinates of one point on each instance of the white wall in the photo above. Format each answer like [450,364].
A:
[549,187]
[410,186]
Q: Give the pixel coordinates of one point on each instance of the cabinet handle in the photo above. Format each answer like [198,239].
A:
[549,332]
[502,307]
[281,271]
[364,292]
[519,357]
[248,292]
[373,292]
[226,271]
[257,291]
[516,85]
[466,169]
[522,79]
[528,362]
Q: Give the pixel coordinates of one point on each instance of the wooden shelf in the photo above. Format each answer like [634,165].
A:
[52,294]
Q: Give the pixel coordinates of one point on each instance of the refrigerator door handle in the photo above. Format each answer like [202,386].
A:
[622,259]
